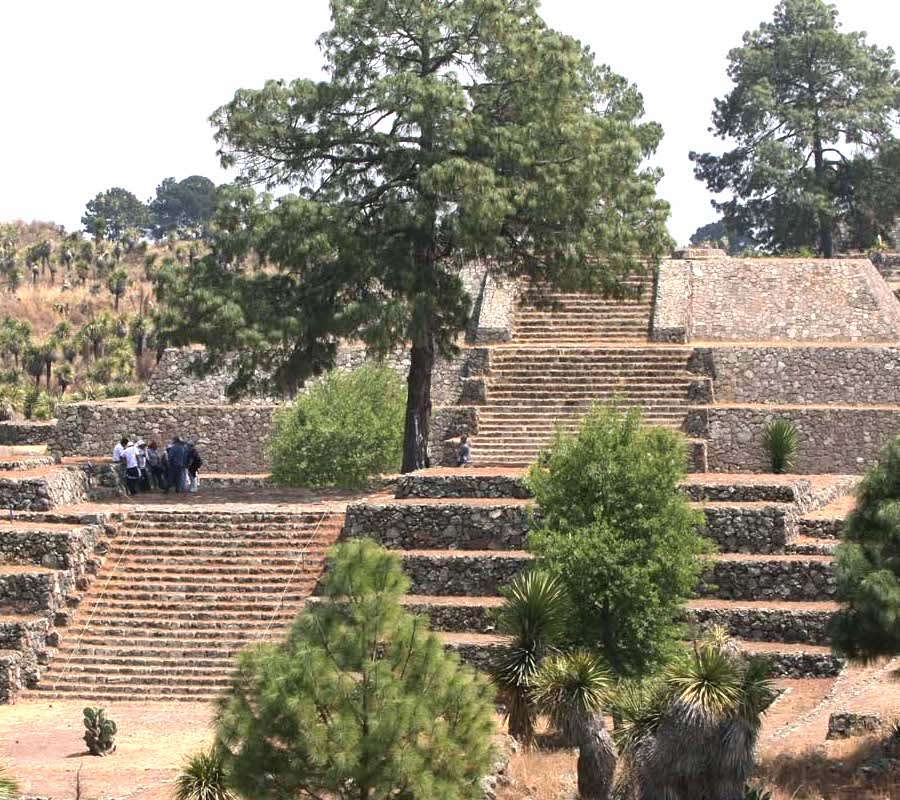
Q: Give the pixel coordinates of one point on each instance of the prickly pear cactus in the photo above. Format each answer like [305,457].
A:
[100,732]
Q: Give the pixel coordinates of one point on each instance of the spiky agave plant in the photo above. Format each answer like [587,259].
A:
[9,788]
[203,777]
[533,616]
[781,442]
[572,689]
[694,734]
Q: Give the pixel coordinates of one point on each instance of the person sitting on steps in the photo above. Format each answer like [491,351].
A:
[464,454]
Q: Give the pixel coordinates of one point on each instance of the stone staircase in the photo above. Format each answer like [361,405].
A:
[533,391]
[462,536]
[180,593]
[567,356]
[581,317]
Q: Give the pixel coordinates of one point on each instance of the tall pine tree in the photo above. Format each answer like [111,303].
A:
[445,131]
[868,566]
[808,99]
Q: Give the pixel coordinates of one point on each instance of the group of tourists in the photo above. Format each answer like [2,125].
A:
[145,468]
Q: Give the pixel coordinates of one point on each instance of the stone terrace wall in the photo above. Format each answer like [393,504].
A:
[61,486]
[231,438]
[831,440]
[767,299]
[174,381]
[671,320]
[26,433]
[833,375]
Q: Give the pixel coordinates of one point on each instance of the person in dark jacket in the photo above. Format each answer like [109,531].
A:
[176,458]
[194,462]
[155,468]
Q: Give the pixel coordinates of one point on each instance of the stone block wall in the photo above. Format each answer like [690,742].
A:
[26,432]
[231,438]
[801,375]
[52,548]
[411,526]
[671,317]
[60,486]
[830,440]
[495,310]
[798,579]
[768,299]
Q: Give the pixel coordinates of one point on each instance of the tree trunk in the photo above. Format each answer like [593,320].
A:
[49,366]
[418,405]
[521,718]
[826,235]
[597,758]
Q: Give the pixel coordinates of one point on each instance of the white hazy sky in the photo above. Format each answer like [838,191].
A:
[100,93]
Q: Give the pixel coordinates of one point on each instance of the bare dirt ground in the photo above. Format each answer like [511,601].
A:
[41,743]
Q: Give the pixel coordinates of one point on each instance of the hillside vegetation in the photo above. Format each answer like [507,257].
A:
[78,316]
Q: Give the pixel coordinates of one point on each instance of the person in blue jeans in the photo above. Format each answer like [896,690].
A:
[176,458]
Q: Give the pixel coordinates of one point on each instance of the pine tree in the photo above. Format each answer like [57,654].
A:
[446,131]
[360,703]
[809,105]
[868,566]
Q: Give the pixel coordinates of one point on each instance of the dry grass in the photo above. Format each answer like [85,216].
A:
[830,772]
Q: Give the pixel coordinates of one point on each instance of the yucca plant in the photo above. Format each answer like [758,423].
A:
[9,788]
[781,441]
[572,689]
[756,793]
[203,777]
[534,614]
[692,734]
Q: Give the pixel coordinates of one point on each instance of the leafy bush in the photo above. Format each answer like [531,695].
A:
[534,616]
[347,429]
[100,732]
[361,700]
[617,530]
[203,778]
[781,442]
[867,565]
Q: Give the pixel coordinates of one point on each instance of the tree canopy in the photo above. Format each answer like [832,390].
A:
[810,106]
[182,205]
[112,212]
[445,131]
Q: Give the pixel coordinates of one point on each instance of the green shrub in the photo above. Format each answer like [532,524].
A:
[781,441]
[360,701]
[99,732]
[203,778]
[618,531]
[867,566]
[346,430]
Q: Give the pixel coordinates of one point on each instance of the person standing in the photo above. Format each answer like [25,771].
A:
[176,458]
[194,462]
[464,454]
[132,470]
[155,469]
[119,458]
